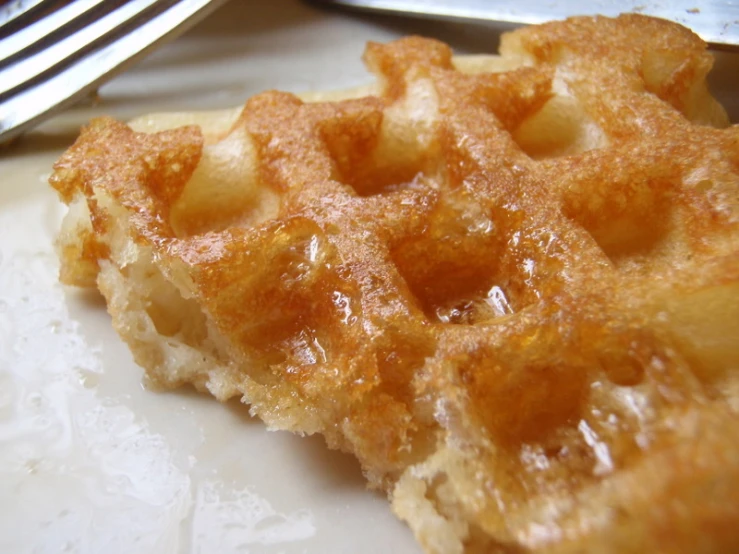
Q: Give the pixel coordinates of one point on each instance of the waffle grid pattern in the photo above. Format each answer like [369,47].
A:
[507,285]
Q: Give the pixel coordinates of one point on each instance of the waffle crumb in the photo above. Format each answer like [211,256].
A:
[509,285]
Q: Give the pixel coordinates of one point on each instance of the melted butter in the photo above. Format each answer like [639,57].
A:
[307,349]
[604,463]
[497,300]
[230,520]
[80,469]
[343,304]
[493,305]
[73,463]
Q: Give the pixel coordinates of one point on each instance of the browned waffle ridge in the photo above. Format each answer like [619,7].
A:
[509,286]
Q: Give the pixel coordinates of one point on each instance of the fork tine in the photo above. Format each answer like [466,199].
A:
[29,69]
[25,106]
[17,12]
[42,30]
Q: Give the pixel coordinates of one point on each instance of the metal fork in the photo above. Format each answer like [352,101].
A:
[53,52]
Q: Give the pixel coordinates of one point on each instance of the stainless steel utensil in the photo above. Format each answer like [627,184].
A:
[715,21]
[54,52]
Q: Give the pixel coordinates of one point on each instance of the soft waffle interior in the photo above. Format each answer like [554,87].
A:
[508,284]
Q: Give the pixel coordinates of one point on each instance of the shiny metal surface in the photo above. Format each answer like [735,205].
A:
[68,53]
[715,21]
[16,43]
[16,10]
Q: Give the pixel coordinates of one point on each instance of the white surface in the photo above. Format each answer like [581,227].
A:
[92,462]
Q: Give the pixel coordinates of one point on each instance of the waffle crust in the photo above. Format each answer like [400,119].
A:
[509,285]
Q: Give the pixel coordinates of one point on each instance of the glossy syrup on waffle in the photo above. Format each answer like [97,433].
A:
[509,285]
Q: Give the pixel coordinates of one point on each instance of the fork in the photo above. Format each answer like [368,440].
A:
[54,52]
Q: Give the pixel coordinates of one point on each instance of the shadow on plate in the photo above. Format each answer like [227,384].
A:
[338,469]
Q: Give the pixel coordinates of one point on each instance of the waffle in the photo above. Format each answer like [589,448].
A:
[509,285]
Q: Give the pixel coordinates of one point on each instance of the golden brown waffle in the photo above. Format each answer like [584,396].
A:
[509,285]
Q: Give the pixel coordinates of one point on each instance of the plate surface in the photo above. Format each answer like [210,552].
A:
[90,461]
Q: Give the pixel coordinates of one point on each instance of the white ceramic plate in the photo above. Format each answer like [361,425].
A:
[90,461]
